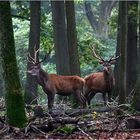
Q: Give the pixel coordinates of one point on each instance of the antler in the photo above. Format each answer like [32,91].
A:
[31,59]
[112,59]
[46,56]
[34,60]
[95,55]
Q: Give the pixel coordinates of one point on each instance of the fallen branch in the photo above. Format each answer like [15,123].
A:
[76,112]
[67,120]
[84,133]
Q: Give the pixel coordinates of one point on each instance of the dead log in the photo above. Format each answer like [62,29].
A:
[78,112]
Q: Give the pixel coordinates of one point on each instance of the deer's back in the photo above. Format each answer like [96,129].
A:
[66,83]
[95,81]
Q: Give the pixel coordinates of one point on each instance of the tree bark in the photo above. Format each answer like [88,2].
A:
[117,64]
[72,43]
[34,42]
[60,38]
[136,97]
[15,111]
[122,42]
[72,38]
[92,20]
[132,60]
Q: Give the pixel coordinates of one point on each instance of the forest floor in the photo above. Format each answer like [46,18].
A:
[88,124]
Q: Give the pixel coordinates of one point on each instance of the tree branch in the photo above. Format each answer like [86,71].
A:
[20,17]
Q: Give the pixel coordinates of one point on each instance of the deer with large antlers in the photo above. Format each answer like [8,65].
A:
[100,81]
[56,84]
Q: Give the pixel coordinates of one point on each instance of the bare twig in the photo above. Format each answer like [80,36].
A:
[37,130]
[84,133]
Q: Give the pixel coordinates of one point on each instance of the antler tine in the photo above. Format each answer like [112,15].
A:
[49,52]
[35,53]
[32,60]
[29,56]
[46,56]
[95,55]
[112,59]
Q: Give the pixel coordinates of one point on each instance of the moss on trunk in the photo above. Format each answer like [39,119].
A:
[15,109]
[14,97]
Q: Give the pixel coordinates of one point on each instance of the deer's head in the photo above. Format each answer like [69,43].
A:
[105,63]
[36,63]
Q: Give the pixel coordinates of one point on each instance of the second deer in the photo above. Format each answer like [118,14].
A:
[100,81]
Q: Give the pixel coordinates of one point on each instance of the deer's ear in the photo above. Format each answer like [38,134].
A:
[112,62]
[100,62]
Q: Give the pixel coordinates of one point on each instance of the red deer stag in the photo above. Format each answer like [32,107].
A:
[56,84]
[100,81]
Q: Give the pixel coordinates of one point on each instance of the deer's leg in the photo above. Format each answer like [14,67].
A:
[50,100]
[87,92]
[89,97]
[104,97]
[80,97]
[109,96]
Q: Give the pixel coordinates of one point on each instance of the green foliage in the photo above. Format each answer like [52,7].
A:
[46,37]
[88,38]
[67,129]
[21,34]
[21,8]
[113,23]
[105,49]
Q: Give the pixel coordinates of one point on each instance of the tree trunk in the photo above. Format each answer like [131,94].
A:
[103,19]
[117,64]
[60,38]
[122,42]
[90,16]
[13,97]
[100,24]
[34,42]
[132,60]
[72,43]
[136,97]
[72,39]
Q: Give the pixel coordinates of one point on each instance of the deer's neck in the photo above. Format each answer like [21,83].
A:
[42,77]
[108,75]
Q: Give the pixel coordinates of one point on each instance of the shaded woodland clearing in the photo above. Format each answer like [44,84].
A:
[108,25]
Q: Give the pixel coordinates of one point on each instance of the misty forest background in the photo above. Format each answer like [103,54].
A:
[69,29]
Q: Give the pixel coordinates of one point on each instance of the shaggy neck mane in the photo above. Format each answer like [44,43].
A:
[109,77]
[42,77]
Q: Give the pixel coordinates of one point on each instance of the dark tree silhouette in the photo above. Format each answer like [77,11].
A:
[122,42]
[34,42]
[72,42]
[15,111]
[132,60]
[72,38]
[136,97]
[60,38]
